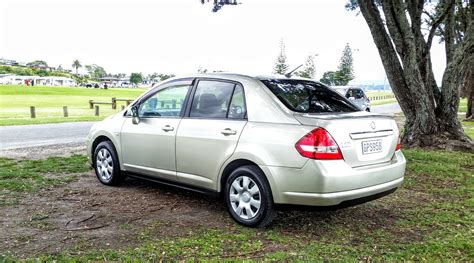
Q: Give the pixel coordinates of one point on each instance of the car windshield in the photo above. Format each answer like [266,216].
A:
[308,96]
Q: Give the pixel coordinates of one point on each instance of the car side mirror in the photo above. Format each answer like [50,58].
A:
[351,98]
[135,118]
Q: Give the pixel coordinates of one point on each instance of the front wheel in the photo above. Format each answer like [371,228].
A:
[106,165]
[248,197]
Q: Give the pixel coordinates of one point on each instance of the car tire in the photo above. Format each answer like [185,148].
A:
[248,197]
[106,164]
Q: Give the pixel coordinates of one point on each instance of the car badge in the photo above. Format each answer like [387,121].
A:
[372,125]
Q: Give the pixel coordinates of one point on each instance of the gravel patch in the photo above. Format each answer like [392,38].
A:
[43,152]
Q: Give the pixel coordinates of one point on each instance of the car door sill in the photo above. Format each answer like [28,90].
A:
[174,184]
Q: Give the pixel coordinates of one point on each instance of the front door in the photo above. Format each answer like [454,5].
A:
[149,146]
[208,135]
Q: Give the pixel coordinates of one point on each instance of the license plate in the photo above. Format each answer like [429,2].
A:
[372,146]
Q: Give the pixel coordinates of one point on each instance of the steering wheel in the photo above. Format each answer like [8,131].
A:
[236,110]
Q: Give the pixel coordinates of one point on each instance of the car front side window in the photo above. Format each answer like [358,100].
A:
[165,103]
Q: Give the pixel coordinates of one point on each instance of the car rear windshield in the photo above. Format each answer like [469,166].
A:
[308,96]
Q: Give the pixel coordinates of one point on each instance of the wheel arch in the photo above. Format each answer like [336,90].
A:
[231,166]
[99,139]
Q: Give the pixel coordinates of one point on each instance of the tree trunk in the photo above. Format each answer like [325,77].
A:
[431,114]
[467,86]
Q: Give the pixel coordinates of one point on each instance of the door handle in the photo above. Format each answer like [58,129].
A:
[167,128]
[228,131]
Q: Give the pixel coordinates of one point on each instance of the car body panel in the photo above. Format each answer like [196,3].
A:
[334,176]
[201,149]
[350,130]
[108,128]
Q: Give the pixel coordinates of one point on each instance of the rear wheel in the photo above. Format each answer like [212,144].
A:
[106,165]
[248,197]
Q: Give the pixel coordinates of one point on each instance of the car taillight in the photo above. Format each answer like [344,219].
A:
[319,144]
[399,146]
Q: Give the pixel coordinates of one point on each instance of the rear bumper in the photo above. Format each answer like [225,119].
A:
[328,183]
[330,199]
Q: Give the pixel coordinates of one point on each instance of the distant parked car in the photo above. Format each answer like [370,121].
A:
[356,96]
[259,141]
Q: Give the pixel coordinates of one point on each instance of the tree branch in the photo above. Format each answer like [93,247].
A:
[435,24]
[449,32]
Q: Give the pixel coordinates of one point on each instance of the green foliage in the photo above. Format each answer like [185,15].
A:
[309,68]
[333,78]
[136,78]
[345,72]
[95,71]
[166,76]
[281,67]
[76,64]
[346,65]
[37,63]
[159,76]
[202,70]
[26,71]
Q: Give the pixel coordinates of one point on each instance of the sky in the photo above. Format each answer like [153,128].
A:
[179,36]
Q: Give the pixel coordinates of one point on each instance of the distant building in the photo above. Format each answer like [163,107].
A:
[115,82]
[7,78]
[11,62]
[36,80]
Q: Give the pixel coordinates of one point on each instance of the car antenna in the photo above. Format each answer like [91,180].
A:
[288,75]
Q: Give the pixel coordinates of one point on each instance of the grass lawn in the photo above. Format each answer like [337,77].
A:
[382,102]
[462,105]
[372,94]
[469,128]
[430,218]
[15,102]
[378,93]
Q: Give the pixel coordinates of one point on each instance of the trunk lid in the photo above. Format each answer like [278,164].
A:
[363,138]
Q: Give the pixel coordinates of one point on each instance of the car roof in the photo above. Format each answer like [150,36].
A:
[240,76]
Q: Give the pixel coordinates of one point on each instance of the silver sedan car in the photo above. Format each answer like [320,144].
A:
[258,141]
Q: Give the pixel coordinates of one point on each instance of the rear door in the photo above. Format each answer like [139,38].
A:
[208,134]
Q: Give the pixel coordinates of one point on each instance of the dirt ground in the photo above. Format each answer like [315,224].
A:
[86,215]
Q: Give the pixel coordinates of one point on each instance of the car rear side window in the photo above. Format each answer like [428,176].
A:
[308,96]
[237,109]
[211,99]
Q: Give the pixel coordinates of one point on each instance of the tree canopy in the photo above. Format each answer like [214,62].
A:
[95,71]
[281,67]
[309,69]
[136,78]
[345,72]
[76,64]
[37,63]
